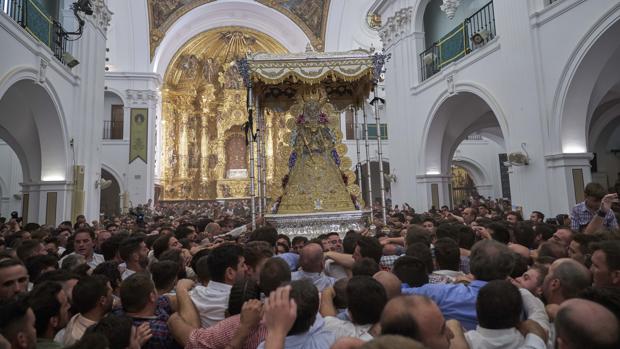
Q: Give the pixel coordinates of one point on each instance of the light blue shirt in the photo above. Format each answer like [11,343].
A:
[456,301]
[320,280]
[316,338]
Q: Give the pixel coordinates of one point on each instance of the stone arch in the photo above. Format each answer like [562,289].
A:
[418,15]
[213,15]
[117,176]
[585,80]
[118,93]
[607,120]
[110,198]
[442,134]
[32,123]
[475,169]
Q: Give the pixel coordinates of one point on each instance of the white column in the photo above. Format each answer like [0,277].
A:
[434,190]
[55,195]
[567,174]
[87,114]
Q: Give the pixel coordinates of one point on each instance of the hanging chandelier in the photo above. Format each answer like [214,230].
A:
[449,7]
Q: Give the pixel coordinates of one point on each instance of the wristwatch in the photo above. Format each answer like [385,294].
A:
[601,213]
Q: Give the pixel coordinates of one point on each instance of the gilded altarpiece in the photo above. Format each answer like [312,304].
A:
[204,112]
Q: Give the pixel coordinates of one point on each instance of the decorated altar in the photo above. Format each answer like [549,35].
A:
[318,191]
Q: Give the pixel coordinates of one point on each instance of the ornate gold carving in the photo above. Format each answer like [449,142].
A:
[204,108]
[310,16]
[345,163]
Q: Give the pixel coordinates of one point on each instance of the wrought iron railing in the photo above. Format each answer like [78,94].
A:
[29,15]
[471,34]
[112,129]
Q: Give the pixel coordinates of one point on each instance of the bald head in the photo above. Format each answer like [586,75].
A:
[565,279]
[213,228]
[584,324]
[311,258]
[416,317]
[390,282]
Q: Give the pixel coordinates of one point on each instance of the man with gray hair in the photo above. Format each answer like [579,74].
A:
[311,267]
[489,260]
[565,279]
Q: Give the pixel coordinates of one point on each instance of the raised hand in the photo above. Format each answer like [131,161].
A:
[280,312]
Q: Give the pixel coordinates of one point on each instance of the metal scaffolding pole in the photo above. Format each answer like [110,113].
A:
[264,159]
[259,150]
[358,165]
[375,102]
[250,140]
[370,200]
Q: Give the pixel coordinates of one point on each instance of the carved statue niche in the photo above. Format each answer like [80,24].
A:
[236,153]
[210,70]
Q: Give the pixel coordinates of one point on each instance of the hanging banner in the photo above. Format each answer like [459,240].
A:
[138,134]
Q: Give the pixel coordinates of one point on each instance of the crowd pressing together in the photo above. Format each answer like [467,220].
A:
[197,276]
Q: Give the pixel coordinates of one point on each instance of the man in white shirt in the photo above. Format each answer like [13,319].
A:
[366,298]
[311,267]
[92,299]
[499,307]
[84,244]
[226,265]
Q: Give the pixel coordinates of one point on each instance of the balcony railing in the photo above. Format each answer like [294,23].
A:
[112,129]
[31,17]
[473,33]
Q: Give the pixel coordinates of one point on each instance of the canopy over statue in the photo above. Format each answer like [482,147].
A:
[318,190]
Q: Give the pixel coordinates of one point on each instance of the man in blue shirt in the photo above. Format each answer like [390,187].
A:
[595,211]
[489,260]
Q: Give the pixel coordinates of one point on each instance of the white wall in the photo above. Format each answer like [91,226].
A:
[10,177]
[65,111]
[128,37]
[347,28]
[518,75]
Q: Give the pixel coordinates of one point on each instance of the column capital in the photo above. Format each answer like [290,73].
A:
[396,26]
[568,160]
[101,14]
[433,178]
[37,186]
[142,98]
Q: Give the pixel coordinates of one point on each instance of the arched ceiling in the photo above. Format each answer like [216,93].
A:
[310,16]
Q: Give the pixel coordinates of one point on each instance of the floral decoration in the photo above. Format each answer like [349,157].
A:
[301,119]
[336,157]
[292,160]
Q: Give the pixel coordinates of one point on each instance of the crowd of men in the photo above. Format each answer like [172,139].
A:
[197,276]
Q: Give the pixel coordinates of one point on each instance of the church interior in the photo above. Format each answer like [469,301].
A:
[305,107]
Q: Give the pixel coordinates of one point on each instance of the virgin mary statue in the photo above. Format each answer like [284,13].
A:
[315,182]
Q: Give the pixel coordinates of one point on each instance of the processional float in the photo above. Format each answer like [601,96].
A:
[318,192]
